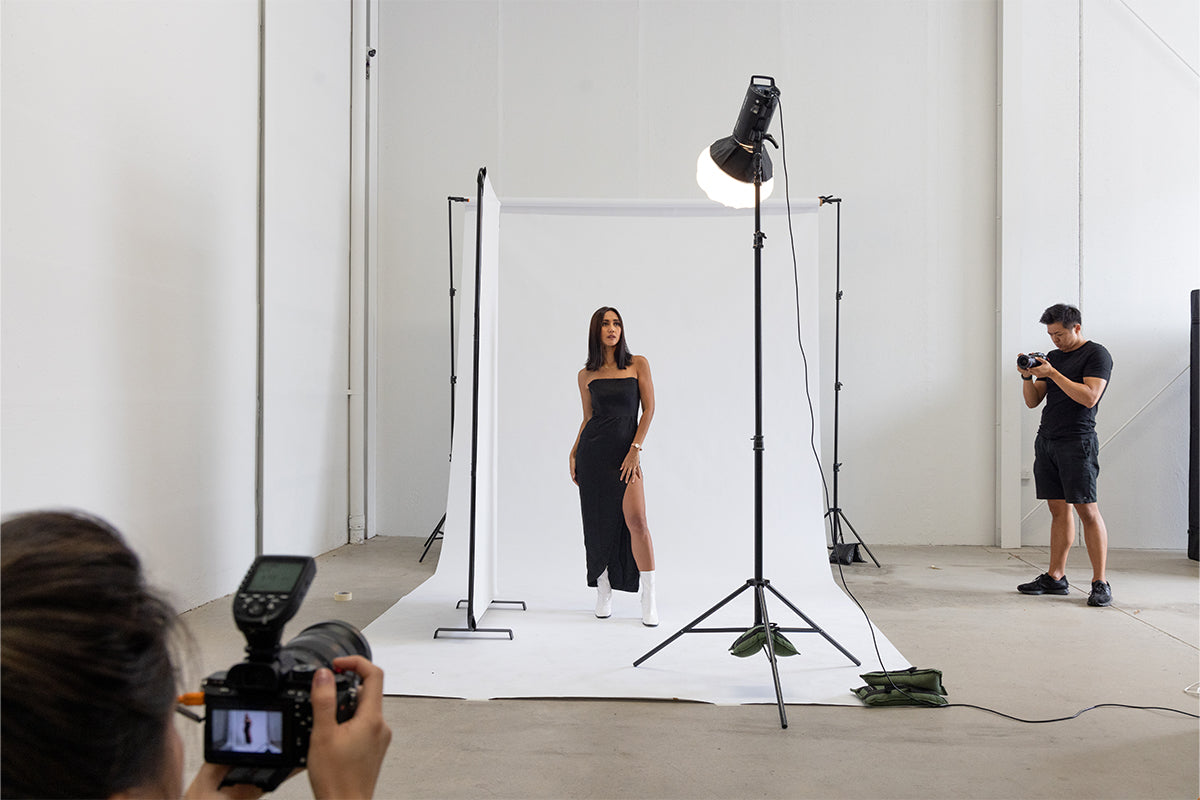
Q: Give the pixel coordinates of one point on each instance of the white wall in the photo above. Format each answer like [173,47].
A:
[1039,253]
[1140,252]
[1102,194]
[130,131]
[682,276]
[901,126]
[890,105]
[306,248]
[895,107]
[129,274]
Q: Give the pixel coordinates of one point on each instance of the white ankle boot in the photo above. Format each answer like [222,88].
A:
[649,606]
[603,596]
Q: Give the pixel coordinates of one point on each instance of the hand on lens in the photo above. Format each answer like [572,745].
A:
[1041,369]
[344,759]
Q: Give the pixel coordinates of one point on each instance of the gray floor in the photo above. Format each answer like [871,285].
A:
[953,608]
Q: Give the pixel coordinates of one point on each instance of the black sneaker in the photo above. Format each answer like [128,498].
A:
[1101,594]
[1044,584]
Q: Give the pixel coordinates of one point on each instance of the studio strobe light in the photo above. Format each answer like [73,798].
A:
[735,171]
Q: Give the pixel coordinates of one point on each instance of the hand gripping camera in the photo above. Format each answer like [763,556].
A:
[1027,360]
[259,712]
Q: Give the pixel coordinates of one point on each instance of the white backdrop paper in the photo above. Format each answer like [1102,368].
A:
[661,265]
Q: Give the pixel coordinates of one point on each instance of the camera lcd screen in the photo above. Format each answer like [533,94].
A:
[275,576]
[245,730]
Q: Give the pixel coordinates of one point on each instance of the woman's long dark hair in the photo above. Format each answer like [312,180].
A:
[88,678]
[595,359]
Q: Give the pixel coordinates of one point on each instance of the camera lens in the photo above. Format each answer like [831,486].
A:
[318,645]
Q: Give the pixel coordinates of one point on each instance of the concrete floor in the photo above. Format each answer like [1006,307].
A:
[954,608]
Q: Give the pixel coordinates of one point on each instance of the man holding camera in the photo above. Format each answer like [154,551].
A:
[1071,379]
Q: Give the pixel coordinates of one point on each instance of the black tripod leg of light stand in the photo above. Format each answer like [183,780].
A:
[437,534]
[762,605]
[815,628]
[835,530]
[687,628]
[839,551]
[856,536]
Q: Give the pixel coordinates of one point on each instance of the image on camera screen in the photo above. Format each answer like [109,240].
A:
[242,730]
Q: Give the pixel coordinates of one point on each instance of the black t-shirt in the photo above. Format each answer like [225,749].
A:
[1063,417]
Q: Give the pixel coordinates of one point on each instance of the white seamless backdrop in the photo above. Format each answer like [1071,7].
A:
[668,268]
[663,265]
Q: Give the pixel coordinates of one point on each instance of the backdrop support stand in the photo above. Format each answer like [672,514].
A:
[839,551]
[1193,546]
[472,626]
[433,537]
[450,201]
[760,585]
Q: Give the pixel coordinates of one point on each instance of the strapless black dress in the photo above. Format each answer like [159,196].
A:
[603,445]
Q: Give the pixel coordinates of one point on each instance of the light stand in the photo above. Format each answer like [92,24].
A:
[450,201]
[749,134]
[839,551]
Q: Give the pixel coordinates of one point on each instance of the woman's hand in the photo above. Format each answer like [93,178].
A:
[573,479]
[344,759]
[631,467]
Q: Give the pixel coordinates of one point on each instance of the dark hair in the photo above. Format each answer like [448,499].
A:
[595,359]
[85,661]
[1063,314]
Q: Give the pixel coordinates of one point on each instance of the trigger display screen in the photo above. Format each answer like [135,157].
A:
[275,577]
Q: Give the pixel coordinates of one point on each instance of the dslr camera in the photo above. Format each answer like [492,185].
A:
[259,712]
[1027,360]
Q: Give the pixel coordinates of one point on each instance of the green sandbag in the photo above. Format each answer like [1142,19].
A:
[929,680]
[874,696]
[755,639]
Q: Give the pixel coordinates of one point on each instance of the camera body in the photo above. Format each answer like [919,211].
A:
[259,712]
[260,715]
[1027,360]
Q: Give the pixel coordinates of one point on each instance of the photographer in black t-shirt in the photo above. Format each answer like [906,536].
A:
[1071,379]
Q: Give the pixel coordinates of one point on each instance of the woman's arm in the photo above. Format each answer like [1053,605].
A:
[586,398]
[631,467]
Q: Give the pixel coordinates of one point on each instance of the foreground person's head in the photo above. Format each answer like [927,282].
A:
[86,668]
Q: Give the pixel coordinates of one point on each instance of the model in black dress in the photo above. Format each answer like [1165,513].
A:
[606,465]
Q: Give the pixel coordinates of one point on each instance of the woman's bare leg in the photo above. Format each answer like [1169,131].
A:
[634,506]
